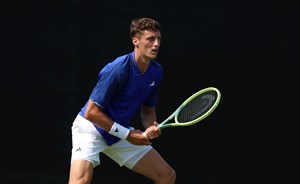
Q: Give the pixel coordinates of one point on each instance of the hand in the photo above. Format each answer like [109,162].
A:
[136,137]
[153,131]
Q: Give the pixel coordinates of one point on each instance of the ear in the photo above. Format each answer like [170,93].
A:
[135,41]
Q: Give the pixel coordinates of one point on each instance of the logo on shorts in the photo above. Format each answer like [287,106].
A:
[78,149]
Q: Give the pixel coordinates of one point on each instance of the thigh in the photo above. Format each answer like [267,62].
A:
[152,165]
[81,171]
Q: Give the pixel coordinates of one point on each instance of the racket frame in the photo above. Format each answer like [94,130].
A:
[174,115]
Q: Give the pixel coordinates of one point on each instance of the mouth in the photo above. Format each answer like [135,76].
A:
[154,51]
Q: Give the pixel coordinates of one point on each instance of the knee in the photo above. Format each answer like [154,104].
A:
[172,176]
[81,172]
[169,177]
[80,180]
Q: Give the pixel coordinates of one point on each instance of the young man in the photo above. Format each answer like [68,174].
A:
[125,86]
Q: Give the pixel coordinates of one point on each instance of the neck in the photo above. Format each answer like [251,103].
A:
[141,61]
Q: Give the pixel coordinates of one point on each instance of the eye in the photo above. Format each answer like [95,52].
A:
[151,39]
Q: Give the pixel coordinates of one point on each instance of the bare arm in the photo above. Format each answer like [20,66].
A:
[149,121]
[148,116]
[95,115]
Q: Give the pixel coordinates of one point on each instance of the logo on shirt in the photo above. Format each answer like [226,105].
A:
[152,84]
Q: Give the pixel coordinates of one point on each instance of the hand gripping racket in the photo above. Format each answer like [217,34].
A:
[194,109]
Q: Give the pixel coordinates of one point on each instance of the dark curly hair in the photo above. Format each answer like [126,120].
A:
[141,24]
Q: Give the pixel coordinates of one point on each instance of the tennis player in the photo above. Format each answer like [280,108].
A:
[125,86]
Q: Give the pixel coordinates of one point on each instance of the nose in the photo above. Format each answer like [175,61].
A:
[157,42]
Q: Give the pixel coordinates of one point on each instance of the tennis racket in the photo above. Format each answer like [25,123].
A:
[194,109]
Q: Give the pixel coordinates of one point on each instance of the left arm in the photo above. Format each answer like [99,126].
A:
[149,121]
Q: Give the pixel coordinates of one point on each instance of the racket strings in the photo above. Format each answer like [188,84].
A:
[197,107]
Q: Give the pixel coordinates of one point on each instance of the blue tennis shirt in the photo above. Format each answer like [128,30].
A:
[121,89]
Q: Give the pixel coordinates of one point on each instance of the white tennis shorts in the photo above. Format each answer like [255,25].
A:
[87,144]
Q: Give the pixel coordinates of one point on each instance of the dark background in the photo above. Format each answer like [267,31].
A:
[52,52]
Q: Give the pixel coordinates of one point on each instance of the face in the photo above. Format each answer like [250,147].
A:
[148,44]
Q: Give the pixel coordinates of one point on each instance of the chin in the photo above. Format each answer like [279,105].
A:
[153,56]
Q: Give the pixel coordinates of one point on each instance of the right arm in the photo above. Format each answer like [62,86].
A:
[95,115]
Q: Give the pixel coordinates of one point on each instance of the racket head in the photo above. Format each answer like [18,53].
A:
[196,108]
